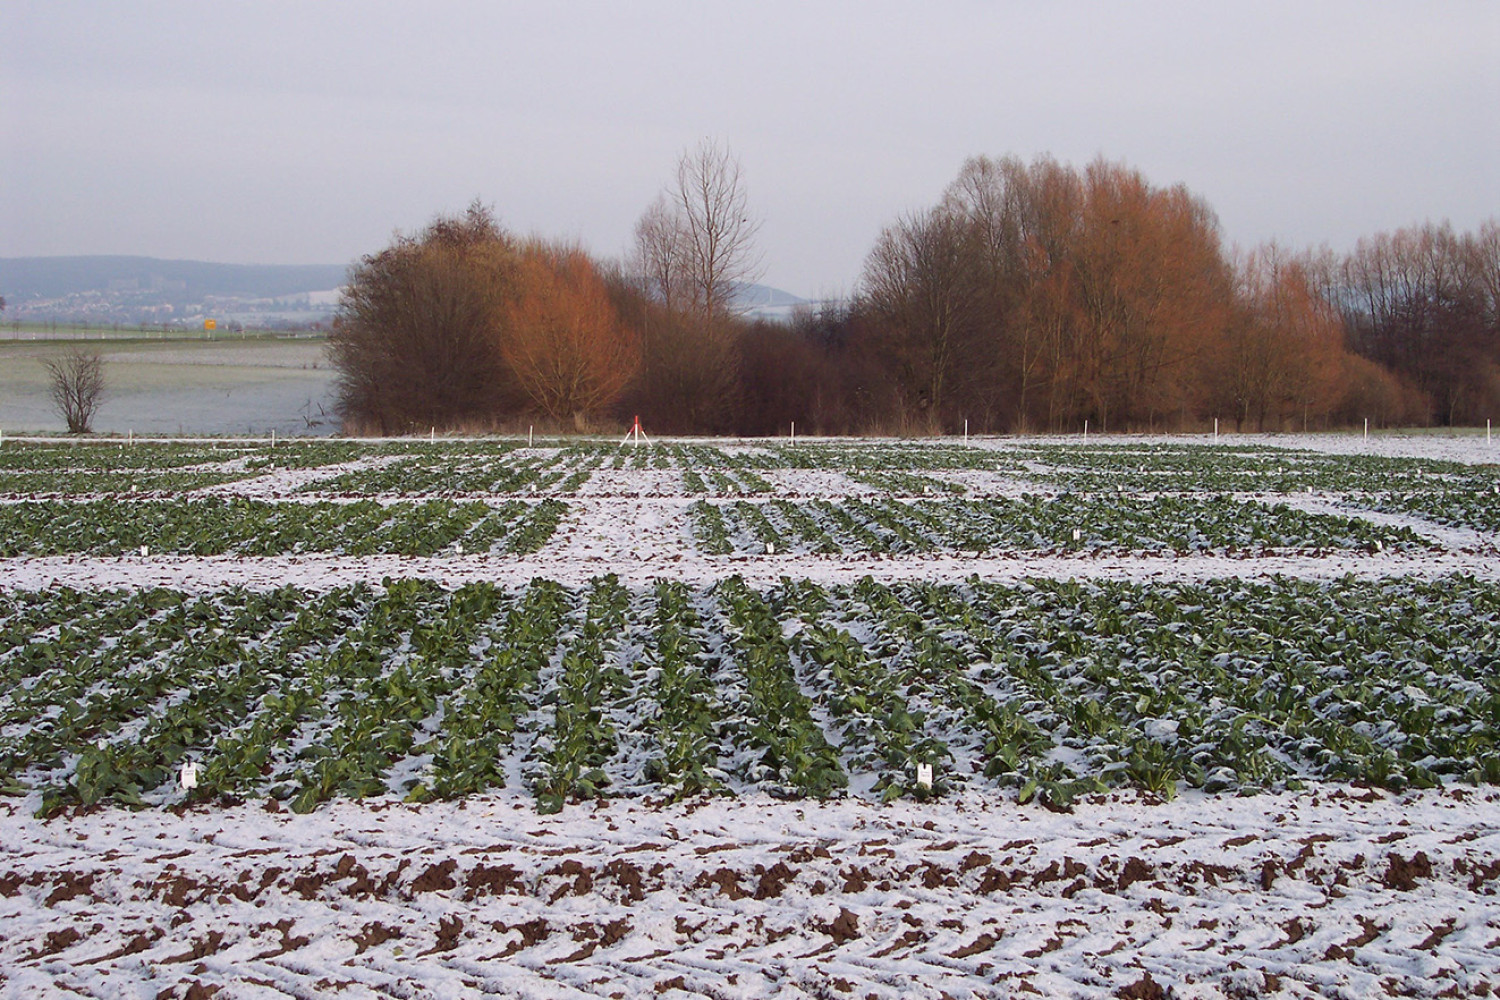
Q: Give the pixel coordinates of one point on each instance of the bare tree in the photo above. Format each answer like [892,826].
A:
[715,217]
[696,243]
[660,249]
[77,387]
[917,282]
[694,246]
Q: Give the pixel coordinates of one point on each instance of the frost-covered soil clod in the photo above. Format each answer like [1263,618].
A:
[1347,893]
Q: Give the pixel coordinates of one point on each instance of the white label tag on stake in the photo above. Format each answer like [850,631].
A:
[924,775]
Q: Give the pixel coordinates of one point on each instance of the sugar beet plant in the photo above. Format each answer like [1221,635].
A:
[581,738]
[686,715]
[1069,522]
[219,526]
[1229,468]
[106,467]
[794,755]
[1054,689]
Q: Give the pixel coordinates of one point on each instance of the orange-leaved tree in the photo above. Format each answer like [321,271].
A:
[1281,358]
[564,342]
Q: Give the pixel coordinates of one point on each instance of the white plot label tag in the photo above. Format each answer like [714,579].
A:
[189,776]
[924,775]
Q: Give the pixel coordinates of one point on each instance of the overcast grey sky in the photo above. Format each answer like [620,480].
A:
[286,131]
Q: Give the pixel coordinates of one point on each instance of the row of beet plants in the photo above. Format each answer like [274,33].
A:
[575,748]
[686,716]
[238,526]
[899,482]
[1234,685]
[1229,468]
[792,754]
[83,469]
[989,732]
[1473,503]
[887,719]
[1055,741]
[899,456]
[42,485]
[710,530]
[707,470]
[181,672]
[59,673]
[455,469]
[266,669]
[1054,688]
[482,717]
[381,689]
[1167,524]
[111,456]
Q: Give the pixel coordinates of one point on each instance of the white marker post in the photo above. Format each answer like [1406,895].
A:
[1085,429]
[966,430]
[1367,428]
[188,776]
[794,432]
[924,776]
[1216,428]
[530,431]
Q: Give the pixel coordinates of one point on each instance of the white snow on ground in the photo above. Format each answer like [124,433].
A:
[816,483]
[588,551]
[284,484]
[1344,893]
[629,483]
[1340,892]
[615,534]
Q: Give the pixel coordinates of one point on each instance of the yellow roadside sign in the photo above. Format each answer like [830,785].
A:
[209,324]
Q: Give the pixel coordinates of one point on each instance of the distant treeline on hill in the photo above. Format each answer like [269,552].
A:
[23,278]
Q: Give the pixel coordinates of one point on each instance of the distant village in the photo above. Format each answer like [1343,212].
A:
[130,292]
[126,304]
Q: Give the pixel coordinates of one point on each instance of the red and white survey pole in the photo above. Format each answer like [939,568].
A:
[636,435]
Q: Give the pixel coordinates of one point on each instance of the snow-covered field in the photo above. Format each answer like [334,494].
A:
[1337,890]
[1343,893]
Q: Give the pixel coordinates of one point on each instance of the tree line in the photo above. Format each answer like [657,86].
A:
[1030,297]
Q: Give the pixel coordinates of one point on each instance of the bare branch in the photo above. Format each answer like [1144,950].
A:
[77,385]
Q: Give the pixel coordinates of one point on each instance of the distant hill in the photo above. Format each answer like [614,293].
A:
[765,302]
[23,278]
[146,290]
[751,297]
